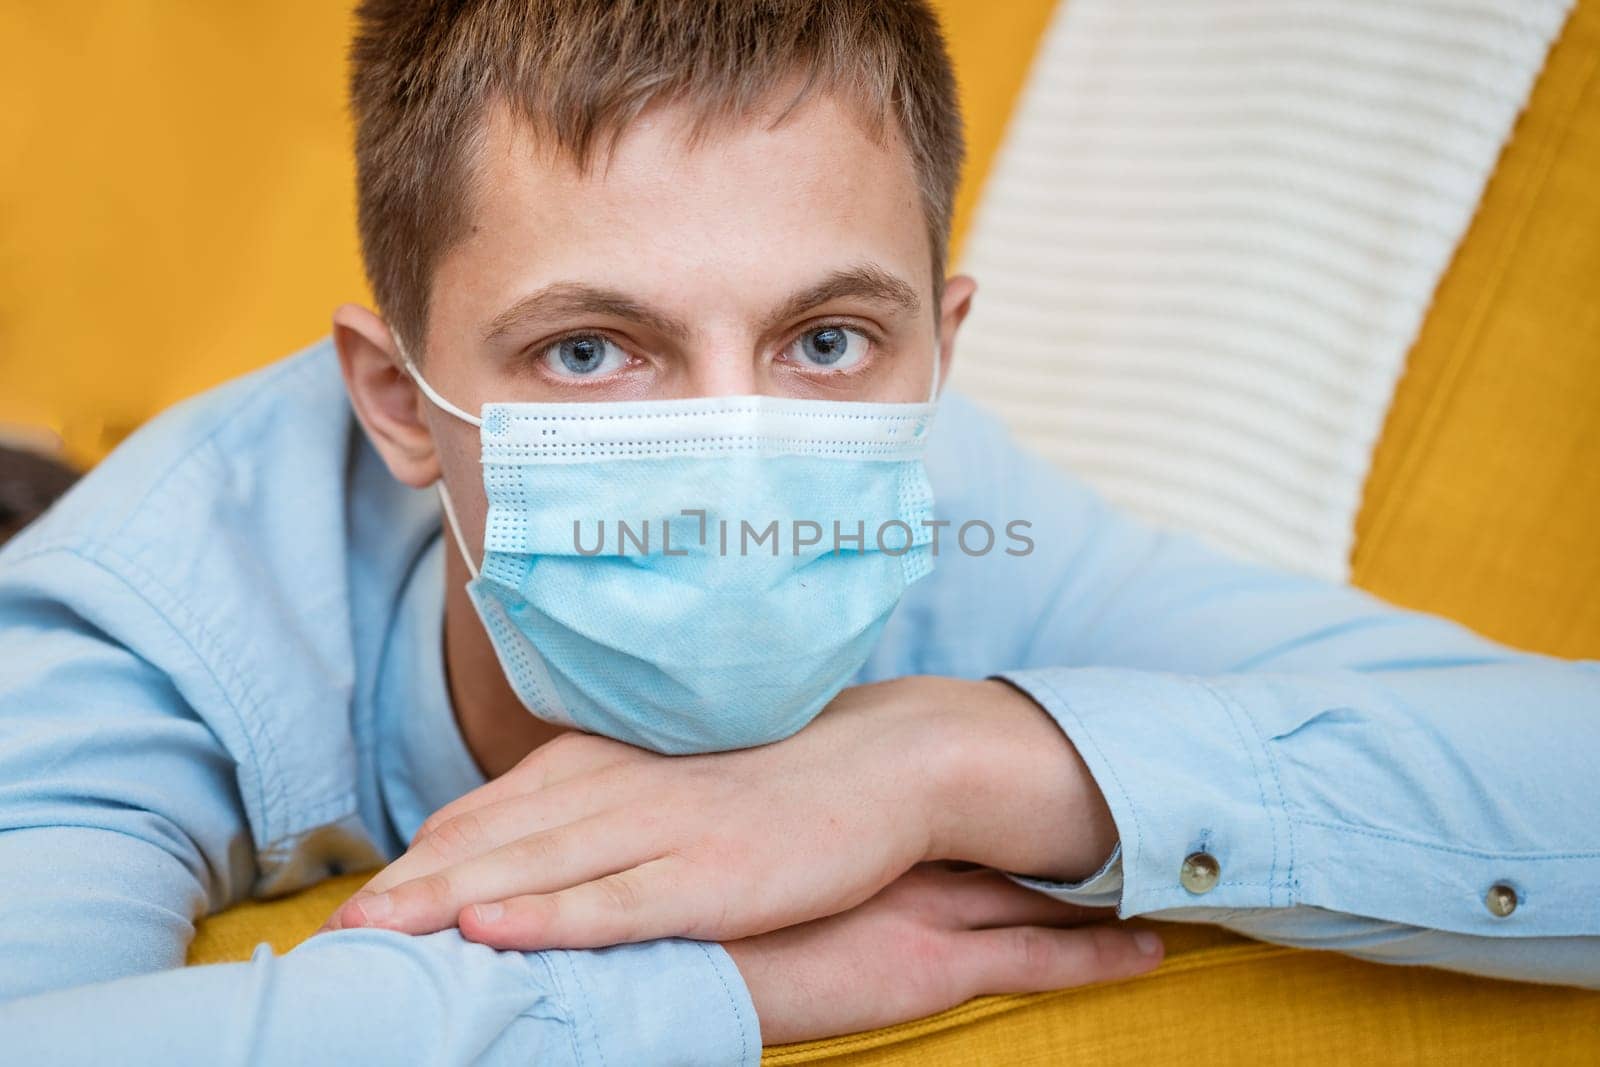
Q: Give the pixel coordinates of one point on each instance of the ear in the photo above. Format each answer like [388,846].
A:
[388,403]
[953,308]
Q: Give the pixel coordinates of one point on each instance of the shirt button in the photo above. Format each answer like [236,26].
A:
[1200,872]
[1501,900]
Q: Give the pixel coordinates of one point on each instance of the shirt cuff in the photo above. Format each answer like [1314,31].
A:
[667,1001]
[1102,889]
[1148,738]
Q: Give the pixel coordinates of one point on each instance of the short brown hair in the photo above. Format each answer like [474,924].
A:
[579,71]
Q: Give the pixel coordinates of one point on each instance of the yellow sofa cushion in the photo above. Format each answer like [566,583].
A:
[1483,502]
[1216,997]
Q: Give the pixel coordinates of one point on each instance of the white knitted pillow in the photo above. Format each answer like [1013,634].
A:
[1212,234]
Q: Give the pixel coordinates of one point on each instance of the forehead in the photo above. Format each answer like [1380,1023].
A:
[744,208]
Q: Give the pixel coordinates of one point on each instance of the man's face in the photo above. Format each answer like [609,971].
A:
[791,261]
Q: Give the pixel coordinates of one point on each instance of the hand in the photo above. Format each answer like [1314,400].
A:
[934,938]
[589,842]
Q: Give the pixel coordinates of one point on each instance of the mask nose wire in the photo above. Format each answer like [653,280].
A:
[444,494]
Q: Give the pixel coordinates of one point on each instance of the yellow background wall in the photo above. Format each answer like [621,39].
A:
[177,208]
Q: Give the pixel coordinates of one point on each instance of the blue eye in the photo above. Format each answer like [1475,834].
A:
[831,347]
[584,356]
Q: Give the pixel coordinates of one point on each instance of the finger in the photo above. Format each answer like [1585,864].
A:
[1033,959]
[475,833]
[981,899]
[567,757]
[334,921]
[445,842]
[640,904]
[471,834]
[543,862]
[468,825]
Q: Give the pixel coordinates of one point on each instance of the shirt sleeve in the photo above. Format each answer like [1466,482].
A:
[120,822]
[363,996]
[1363,778]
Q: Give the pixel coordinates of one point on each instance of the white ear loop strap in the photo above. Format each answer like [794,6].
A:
[427,391]
[455,529]
[444,494]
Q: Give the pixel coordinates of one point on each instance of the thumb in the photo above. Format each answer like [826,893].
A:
[1034,959]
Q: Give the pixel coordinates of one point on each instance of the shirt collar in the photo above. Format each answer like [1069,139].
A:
[423,762]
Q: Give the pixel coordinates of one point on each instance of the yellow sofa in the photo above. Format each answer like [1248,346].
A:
[188,217]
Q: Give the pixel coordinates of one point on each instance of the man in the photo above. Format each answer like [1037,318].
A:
[681,267]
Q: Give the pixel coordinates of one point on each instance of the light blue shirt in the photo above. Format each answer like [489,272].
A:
[221,677]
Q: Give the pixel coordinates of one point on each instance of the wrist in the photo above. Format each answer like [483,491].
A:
[1009,789]
[940,723]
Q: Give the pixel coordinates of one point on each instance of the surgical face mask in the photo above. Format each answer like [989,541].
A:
[693,575]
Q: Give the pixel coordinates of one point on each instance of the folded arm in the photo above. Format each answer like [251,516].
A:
[1363,777]
[120,823]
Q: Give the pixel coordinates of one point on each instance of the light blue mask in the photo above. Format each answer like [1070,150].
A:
[690,633]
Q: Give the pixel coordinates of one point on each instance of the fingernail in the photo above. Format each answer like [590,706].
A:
[488,913]
[1149,943]
[374,908]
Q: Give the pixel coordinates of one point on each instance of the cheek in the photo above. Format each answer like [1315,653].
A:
[919,383]
[916,365]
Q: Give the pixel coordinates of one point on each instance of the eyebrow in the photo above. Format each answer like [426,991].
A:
[573,299]
[864,281]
